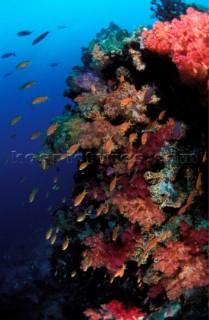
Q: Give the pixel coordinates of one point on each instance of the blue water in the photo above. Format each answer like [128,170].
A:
[83,19]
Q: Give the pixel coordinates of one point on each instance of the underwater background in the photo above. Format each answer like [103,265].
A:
[23,224]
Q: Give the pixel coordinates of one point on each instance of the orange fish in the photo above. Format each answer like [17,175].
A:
[35,135]
[39,99]
[27,85]
[49,233]
[99,210]
[125,126]
[63,156]
[83,165]
[73,149]
[113,184]
[204,158]
[115,233]
[131,162]
[120,272]
[144,138]
[23,64]
[53,239]
[80,99]
[95,194]
[80,198]
[81,217]
[65,244]
[191,197]
[108,145]
[125,101]
[43,164]
[121,208]
[183,209]
[51,129]
[132,137]
[161,115]
[199,182]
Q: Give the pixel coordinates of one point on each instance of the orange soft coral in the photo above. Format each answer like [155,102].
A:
[189,48]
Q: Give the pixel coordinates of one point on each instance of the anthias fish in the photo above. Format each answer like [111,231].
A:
[39,99]
[15,120]
[61,27]
[24,33]
[42,36]
[54,64]
[8,74]
[23,64]
[27,85]
[7,55]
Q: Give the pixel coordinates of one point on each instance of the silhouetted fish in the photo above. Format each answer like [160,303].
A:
[7,55]
[61,27]
[54,64]
[24,33]
[8,74]
[43,35]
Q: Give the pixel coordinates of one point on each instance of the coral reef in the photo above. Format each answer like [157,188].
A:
[136,220]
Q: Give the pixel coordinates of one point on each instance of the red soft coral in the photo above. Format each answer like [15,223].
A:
[187,40]
[117,311]
[109,254]
[192,236]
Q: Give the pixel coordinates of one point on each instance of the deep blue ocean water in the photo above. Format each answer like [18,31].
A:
[83,19]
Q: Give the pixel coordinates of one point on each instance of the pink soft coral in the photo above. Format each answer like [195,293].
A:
[186,40]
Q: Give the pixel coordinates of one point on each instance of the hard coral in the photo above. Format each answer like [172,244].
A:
[189,48]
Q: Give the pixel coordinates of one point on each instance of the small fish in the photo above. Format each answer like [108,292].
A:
[24,33]
[184,208]
[53,239]
[122,78]
[61,27]
[80,198]
[23,64]
[6,160]
[125,126]
[113,183]
[47,194]
[35,135]
[63,156]
[106,209]
[148,93]
[32,195]
[132,137]
[204,158]
[39,99]
[95,193]
[125,101]
[73,149]
[8,74]
[73,274]
[99,210]
[7,55]
[55,180]
[48,234]
[120,271]
[131,162]
[54,64]
[51,129]
[39,38]
[22,179]
[83,165]
[161,115]
[115,233]
[15,120]
[108,146]
[57,229]
[144,138]
[65,244]
[81,217]
[80,99]
[109,171]
[27,85]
